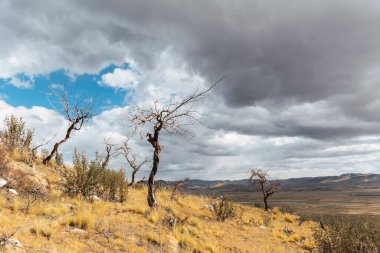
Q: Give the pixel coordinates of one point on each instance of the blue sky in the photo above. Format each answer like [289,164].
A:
[81,85]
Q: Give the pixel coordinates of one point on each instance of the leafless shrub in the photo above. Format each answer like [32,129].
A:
[178,187]
[132,159]
[266,217]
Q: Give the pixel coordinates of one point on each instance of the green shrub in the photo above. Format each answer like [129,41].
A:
[347,234]
[58,159]
[224,208]
[16,138]
[91,178]
[3,161]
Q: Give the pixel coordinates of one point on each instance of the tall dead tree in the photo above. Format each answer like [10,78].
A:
[173,118]
[268,187]
[77,114]
[131,158]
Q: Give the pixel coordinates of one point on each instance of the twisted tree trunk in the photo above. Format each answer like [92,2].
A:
[56,146]
[265,203]
[156,161]
[133,178]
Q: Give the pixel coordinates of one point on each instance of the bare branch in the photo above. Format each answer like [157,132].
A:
[77,114]
[262,181]
[173,118]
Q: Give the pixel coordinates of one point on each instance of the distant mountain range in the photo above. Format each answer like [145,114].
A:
[342,182]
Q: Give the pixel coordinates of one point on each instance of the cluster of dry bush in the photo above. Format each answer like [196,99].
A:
[351,234]
[85,178]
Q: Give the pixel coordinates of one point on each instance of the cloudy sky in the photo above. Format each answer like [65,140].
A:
[301,97]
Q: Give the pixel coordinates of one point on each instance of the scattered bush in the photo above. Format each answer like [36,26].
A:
[266,218]
[91,178]
[16,138]
[224,208]
[347,234]
[83,220]
[289,218]
[58,159]
[3,161]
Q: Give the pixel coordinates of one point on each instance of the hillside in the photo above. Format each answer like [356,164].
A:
[185,224]
[342,182]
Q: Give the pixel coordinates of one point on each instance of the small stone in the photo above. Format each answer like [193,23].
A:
[210,207]
[77,231]
[13,241]
[94,198]
[263,227]
[13,191]
[3,182]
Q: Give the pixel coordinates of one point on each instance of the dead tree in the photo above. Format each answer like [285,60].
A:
[178,187]
[76,114]
[268,187]
[109,146]
[132,159]
[173,118]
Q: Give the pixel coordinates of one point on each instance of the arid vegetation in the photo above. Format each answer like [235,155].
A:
[347,234]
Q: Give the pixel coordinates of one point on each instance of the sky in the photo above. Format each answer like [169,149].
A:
[300,97]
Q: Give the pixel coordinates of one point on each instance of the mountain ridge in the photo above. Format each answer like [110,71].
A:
[347,181]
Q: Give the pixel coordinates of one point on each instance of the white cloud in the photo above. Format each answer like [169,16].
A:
[56,86]
[121,78]
[3,96]
[22,84]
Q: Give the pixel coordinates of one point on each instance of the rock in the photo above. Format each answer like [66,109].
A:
[14,242]
[173,243]
[13,191]
[94,198]
[210,207]
[3,182]
[77,231]
[170,220]
[263,227]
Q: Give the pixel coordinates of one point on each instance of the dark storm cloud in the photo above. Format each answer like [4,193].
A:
[303,71]
[289,52]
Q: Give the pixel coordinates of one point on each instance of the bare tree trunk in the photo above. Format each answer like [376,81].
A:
[156,161]
[265,203]
[133,178]
[151,188]
[56,146]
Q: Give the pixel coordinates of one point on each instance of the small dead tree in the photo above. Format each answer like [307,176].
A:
[76,114]
[173,118]
[109,146]
[132,159]
[262,181]
[178,187]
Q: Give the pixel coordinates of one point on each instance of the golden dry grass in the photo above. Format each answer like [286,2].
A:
[134,227]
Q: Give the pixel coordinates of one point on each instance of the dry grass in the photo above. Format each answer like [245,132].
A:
[133,227]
